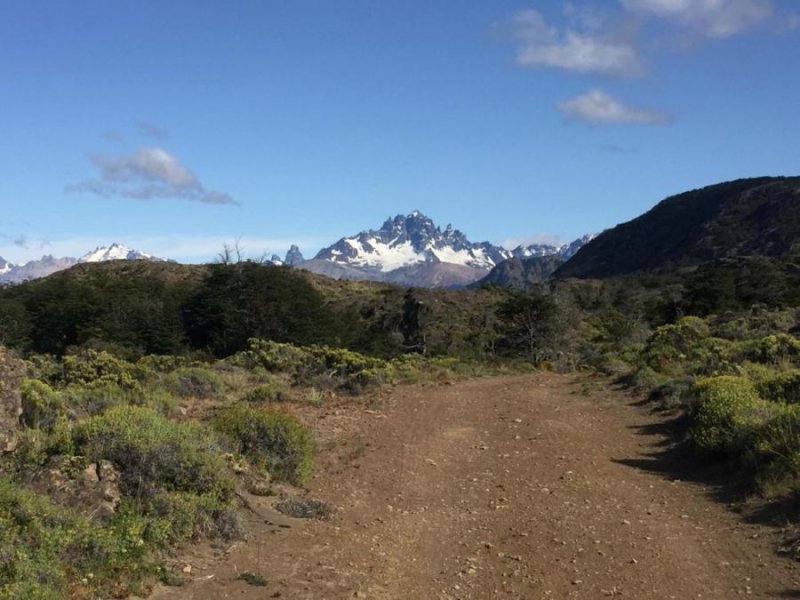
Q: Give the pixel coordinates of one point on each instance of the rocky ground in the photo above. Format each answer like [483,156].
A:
[540,486]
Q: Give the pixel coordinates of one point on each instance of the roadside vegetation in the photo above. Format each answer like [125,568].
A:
[147,398]
[716,345]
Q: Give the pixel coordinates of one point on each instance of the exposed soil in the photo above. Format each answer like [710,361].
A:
[512,487]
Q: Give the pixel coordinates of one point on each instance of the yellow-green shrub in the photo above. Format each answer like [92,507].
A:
[726,412]
[273,440]
[41,405]
[161,462]
[92,367]
[781,387]
[44,548]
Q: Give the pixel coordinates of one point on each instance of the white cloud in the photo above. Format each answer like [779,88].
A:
[148,173]
[599,107]
[540,45]
[712,18]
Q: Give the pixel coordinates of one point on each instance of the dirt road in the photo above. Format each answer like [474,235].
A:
[513,487]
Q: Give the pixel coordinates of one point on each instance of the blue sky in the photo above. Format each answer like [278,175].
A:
[178,126]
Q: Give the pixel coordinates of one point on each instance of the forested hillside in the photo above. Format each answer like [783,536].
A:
[746,217]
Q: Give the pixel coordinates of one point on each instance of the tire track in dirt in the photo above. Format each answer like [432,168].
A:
[508,487]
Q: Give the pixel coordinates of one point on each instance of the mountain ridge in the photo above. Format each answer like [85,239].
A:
[412,250]
[755,216]
[49,264]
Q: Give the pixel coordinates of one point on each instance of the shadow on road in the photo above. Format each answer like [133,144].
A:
[669,454]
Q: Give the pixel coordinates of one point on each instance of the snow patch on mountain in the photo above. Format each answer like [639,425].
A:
[115,251]
[47,265]
[405,243]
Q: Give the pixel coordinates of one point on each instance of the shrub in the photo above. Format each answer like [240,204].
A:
[644,379]
[162,363]
[44,368]
[781,387]
[268,392]
[195,382]
[45,547]
[272,356]
[90,400]
[322,366]
[91,367]
[778,445]
[726,412]
[41,406]
[686,348]
[164,466]
[273,440]
[777,349]
[671,394]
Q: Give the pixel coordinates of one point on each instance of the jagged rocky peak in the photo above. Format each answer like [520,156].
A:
[411,239]
[5,266]
[294,256]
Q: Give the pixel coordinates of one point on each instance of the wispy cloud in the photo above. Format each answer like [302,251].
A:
[148,173]
[22,241]
[582,51]
[598,107]
[536,238]
[152,130]
[711,18]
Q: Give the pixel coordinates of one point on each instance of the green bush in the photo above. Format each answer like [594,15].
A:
[644,379]
[44,548]
[162,363]
[41,405]
[671,394]
[195,382]
[272,356]
[778,446]
[45,368]
[91,367]
[274,440]
[161,462]
[726,412]
[89,400]
[268,392]
[777,349]
[686,348]
[781,387]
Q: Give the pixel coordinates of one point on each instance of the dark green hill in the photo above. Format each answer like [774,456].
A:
[747,217]
[521,273]
[140,307]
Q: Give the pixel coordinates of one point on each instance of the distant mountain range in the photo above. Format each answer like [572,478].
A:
[34,269]
[412,250]
[742,218]
[746,217]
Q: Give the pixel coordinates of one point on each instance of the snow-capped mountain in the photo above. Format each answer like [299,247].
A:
[564,251]
[115,251]
[410,240]
[47,265]
[412,250]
